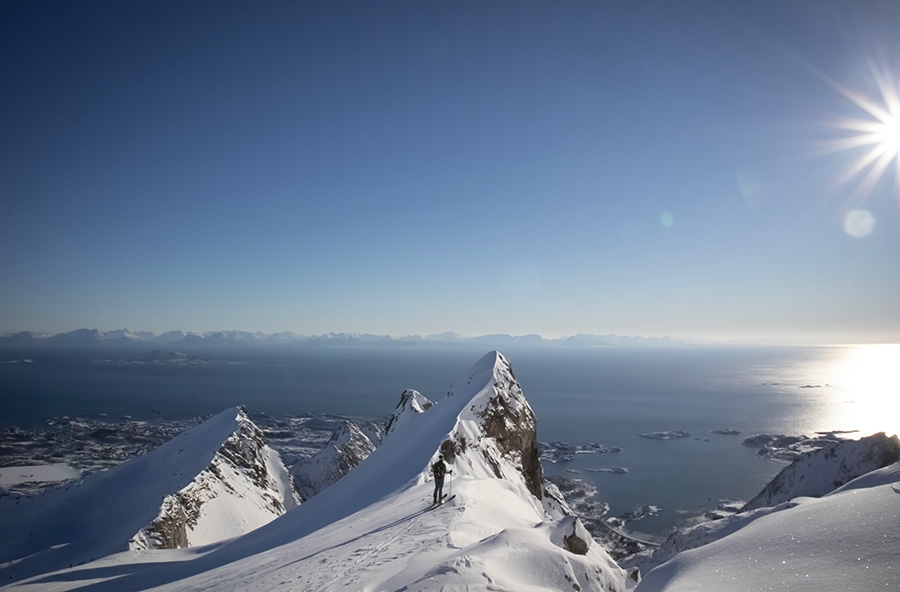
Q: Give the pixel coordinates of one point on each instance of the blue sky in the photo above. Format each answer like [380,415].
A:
[411,168]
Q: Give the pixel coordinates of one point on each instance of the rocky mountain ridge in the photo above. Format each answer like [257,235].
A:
[216,480]
[245,486]
[374,529]
[498,429]
[348,446]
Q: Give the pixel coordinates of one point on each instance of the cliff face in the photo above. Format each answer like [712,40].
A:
[817,473]
[244,487]
[496,434]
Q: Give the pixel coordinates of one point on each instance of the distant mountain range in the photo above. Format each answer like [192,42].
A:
[125,337]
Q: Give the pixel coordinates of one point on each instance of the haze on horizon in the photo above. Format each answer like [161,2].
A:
[702,169]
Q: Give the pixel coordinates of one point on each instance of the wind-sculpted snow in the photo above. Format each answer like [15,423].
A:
[698,535]
[373,529]
[191,477]
[813,474]
[882,476]
[245,486]
[845,541]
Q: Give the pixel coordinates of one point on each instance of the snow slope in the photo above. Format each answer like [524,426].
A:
[374,528]
[819,472]
[812,474]
[217,480]
[849,540]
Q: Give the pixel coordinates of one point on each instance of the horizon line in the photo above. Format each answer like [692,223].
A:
[450,337]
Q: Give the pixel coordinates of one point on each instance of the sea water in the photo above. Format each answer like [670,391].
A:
[609,396]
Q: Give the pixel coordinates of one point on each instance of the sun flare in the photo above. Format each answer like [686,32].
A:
[877,136]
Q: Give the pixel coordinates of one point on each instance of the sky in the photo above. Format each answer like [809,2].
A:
[702,169]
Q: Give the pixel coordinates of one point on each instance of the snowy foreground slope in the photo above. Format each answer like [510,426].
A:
[506,529]
[847,540]
[215,481]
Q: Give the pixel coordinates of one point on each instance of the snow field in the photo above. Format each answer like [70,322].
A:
[849,540]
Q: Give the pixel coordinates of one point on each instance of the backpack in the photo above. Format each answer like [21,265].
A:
[439,470]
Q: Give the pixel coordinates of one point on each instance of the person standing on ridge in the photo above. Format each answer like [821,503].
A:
[439,470]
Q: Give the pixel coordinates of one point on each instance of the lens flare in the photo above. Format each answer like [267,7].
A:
[859,223]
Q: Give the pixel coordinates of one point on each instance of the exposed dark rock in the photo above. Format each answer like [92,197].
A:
[450,448]
[575,537]
[243,453]
[169,530]
[509,420]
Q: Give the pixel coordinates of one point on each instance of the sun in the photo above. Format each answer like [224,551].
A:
[889,135]
[876,136]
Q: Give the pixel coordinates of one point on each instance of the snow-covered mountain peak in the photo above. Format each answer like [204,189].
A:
[411,402]
[486,430]
[348,446]
[244,487]
[215,481]
[374,529]
[496,431]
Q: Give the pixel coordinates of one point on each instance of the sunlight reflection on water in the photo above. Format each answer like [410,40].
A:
[848,387]
[865,389]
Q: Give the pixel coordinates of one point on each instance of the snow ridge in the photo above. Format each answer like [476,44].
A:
[245,486]
[374,528]
[817,473]
[215,472]
[496,434]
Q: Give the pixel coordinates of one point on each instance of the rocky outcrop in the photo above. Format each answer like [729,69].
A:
[347,447]
[244,487]
[497,433]
[572,536]
[507,418]
[818,473]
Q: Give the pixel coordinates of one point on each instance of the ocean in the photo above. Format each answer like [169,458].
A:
[608,396]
